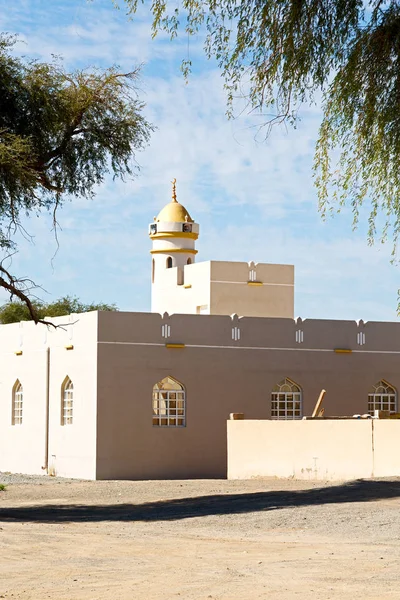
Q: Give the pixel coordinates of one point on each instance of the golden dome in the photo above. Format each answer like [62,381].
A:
[174,212]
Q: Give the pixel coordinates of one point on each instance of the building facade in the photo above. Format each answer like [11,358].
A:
[110,395]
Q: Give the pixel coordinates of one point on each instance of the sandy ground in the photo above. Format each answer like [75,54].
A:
[271,539]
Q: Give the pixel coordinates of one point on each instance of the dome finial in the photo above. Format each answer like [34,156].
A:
[174,190]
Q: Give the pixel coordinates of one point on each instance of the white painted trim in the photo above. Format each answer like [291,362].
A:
[133,343]
[246,283]
[254,348]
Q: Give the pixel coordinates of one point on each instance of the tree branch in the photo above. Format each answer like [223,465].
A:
[12,287]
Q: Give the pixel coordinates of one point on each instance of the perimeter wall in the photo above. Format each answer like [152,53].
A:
[328,450]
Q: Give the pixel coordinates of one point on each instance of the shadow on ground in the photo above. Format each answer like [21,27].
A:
[201,506]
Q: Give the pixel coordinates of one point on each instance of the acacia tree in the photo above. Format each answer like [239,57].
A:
[60,134]
[13,312]
[284,52]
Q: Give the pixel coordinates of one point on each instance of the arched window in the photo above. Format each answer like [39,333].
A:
[189,261]
[286,400]
[17,403]
[169,403]
[153,270]
[67,402]
[169,262]
[383,396]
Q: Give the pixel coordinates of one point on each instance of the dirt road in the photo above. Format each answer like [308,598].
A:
[196,540]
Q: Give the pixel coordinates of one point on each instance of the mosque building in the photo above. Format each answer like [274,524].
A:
[124,395]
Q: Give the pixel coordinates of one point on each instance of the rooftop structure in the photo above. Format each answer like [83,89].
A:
[179,284]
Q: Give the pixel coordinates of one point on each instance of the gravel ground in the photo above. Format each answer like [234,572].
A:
[12,478]
[262,538]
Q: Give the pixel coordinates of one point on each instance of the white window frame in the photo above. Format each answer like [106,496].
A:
[169,405]
[382,397]
[286,401]
[17,403]
[67,402]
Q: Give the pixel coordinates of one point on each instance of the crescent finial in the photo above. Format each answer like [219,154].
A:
[174,190]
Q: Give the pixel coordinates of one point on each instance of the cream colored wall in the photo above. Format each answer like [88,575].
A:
[324,450]
[168,296]
[386,443]
[328,450]
[73,448]
[22,447]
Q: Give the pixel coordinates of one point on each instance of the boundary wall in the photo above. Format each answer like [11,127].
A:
[323,450]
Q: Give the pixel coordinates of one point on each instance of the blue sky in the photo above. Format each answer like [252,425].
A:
[254,200]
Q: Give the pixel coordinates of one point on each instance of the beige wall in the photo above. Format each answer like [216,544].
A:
[329,450]
[271,295]
[386,455]
[220,375]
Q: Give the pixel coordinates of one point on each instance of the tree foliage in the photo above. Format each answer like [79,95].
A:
[13,312]
[284,52]
[60,134]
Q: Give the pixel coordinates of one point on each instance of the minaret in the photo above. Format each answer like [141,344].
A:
[173,233]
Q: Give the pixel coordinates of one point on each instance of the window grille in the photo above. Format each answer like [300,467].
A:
[286,400]
[169,403]
[67,408]
[18,400]
[382,397]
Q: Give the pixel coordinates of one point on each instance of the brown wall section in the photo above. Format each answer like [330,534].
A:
[271,294]
[220,376]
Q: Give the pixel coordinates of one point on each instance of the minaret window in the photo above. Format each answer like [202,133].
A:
[189,261]
[169,262]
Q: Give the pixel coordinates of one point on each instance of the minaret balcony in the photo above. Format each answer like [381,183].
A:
[164,229]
